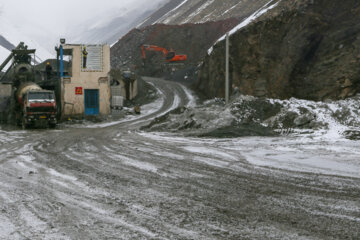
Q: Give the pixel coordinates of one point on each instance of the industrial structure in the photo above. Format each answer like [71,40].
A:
[85,82]
[26,103]
[78,78]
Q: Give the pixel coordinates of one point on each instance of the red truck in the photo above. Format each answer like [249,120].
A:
[35,106]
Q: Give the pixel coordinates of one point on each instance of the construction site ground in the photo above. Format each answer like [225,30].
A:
[112,181]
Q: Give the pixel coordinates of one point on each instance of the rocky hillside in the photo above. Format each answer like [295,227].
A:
[178,12]
[190,39]
[189,27]
[306,49]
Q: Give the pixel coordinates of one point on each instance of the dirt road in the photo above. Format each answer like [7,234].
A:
[113,181]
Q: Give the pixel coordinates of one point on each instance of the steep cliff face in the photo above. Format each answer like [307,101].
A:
[190,39]
[306,49]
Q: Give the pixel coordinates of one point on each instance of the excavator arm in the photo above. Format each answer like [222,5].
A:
[145,48]
[170,56]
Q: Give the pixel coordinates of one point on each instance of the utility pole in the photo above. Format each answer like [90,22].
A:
[227,70]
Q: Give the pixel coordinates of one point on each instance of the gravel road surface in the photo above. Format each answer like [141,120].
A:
[113,181]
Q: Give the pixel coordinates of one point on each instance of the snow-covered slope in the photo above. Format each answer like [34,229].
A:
[110,27]
[200,11]
[108,31]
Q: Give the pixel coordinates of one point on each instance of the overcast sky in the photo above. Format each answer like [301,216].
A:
[46,21]
[66,14]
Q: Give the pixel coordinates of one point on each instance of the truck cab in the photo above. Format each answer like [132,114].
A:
[39,108]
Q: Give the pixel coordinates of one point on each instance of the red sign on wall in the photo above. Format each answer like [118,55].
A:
[78,90]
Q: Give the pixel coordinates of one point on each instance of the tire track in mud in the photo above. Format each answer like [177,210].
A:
[56,154]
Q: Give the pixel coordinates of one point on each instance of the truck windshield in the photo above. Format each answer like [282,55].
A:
[41,96]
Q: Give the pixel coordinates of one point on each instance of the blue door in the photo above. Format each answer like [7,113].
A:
[91,102]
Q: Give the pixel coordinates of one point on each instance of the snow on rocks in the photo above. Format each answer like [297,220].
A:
[166,18]
[251,116]
[247,21]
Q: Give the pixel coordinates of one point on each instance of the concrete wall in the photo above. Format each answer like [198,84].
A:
[73,104]
[133,90]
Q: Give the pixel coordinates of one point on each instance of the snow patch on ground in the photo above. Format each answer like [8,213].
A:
[134,163]
[32,221]
[140,165]
[60,175]
[6,227]
[190,96]
[209,151]
[301,154]
[293,153]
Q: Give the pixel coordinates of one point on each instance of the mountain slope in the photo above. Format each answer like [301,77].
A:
[111,27]
[166,28]
[304,49]
[200,11]
[190,39]
[109,33]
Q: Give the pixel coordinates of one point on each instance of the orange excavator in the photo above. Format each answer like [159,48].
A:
[170,56]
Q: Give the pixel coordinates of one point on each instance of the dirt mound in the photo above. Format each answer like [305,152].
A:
[214,119]
[251,116]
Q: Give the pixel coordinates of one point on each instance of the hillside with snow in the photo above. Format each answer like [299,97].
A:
[189,27]
[200,11]
[111,26]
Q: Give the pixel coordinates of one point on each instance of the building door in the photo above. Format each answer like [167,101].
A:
[91,102]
